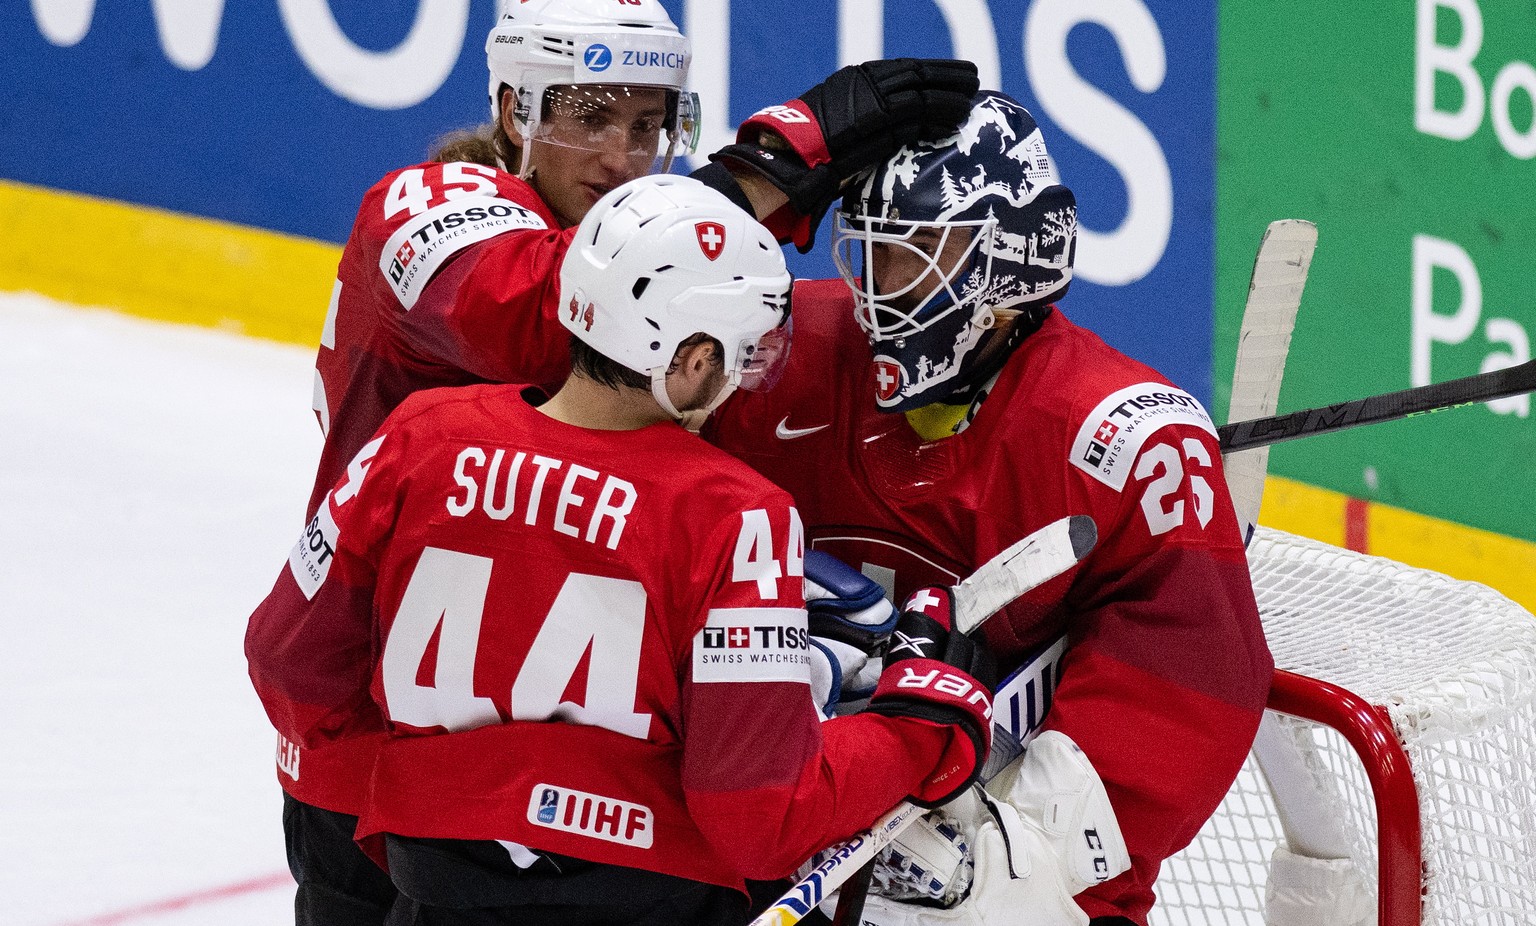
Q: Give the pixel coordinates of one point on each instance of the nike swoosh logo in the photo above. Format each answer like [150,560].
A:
[785,432]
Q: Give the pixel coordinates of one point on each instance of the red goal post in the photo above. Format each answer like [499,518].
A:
[1397,785]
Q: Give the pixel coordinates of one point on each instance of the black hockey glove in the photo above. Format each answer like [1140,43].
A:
[936,674]
[853,120]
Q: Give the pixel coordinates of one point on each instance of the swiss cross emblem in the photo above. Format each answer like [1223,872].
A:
[711,238]
[887,379]
[738,637]
[405,253]
[921,601]
[1105,433]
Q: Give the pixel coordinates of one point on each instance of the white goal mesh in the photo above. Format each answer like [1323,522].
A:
[1452,665]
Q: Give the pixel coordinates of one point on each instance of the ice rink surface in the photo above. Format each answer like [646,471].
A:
[152,479]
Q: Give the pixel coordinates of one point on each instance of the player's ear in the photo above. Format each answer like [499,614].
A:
[697,356]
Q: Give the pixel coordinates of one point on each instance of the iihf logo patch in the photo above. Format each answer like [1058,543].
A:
[888,377]
[711,238]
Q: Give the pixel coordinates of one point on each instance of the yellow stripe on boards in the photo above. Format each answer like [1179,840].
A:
[1298,508]
[1507,564]
[164,265]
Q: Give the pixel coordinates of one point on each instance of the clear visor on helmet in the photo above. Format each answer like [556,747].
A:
[907,275]
[760,362]
[648,125]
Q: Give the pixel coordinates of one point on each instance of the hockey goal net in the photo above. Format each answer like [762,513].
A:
[1400,746]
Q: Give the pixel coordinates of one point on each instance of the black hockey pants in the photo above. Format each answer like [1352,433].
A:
[338,884]
[448,882]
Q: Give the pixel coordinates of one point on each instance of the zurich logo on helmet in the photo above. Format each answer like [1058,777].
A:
[597,57]
[944,235]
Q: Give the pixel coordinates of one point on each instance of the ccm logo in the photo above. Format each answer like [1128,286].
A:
[946,683]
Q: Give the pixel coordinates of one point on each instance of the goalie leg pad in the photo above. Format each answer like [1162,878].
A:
[1316,892]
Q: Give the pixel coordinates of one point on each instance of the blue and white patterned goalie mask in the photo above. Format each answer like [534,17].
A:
[943,235]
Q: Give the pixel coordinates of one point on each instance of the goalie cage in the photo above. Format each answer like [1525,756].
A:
[1406,703]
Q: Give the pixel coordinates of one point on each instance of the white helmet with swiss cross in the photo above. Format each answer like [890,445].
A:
[665,257]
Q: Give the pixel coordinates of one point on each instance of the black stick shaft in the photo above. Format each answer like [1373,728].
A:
[850,903]
[1484,387]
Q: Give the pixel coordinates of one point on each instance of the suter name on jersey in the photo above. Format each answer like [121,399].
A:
[498,484]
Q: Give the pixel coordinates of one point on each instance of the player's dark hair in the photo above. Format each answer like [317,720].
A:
[594,366]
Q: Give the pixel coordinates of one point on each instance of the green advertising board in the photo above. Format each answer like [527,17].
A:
[1405,131]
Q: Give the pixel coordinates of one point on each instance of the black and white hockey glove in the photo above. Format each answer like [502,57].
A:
[1017,851]
[859,116]
[850,621]
[937,674]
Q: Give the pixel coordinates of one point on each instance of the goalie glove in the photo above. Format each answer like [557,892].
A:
[1051,837]
[859,116]
[939,675]
[1057,792]
[850,621]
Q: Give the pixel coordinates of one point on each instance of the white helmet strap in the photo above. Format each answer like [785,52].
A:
[659,392]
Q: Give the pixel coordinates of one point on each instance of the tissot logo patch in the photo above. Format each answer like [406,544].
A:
[1099,446]
[1113,434]
[711,238]
[310,559]
[420,246]
[753,645]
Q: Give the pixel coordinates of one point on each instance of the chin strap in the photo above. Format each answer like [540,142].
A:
[692,419]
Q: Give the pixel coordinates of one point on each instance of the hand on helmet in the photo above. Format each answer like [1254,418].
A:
[853,120]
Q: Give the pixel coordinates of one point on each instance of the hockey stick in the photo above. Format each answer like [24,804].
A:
[1274,296]
[1264,342]
[1033,561]
[1405,403]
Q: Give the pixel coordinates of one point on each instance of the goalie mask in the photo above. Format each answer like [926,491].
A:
[575,57]
[664,257]
[943,236]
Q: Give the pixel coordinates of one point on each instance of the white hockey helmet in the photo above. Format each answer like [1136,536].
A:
[582,44]
[664,257]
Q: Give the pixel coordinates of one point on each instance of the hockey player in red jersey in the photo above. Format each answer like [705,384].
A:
[449,275]
[582,629]
[939,406]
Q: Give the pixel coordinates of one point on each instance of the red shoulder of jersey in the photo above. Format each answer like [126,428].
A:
[418,218]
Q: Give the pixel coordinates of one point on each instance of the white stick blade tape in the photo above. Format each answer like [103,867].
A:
[1274,294]
[1033,561]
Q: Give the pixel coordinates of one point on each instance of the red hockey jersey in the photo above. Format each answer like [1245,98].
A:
[589,642]
[450,277]
[1166,671]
